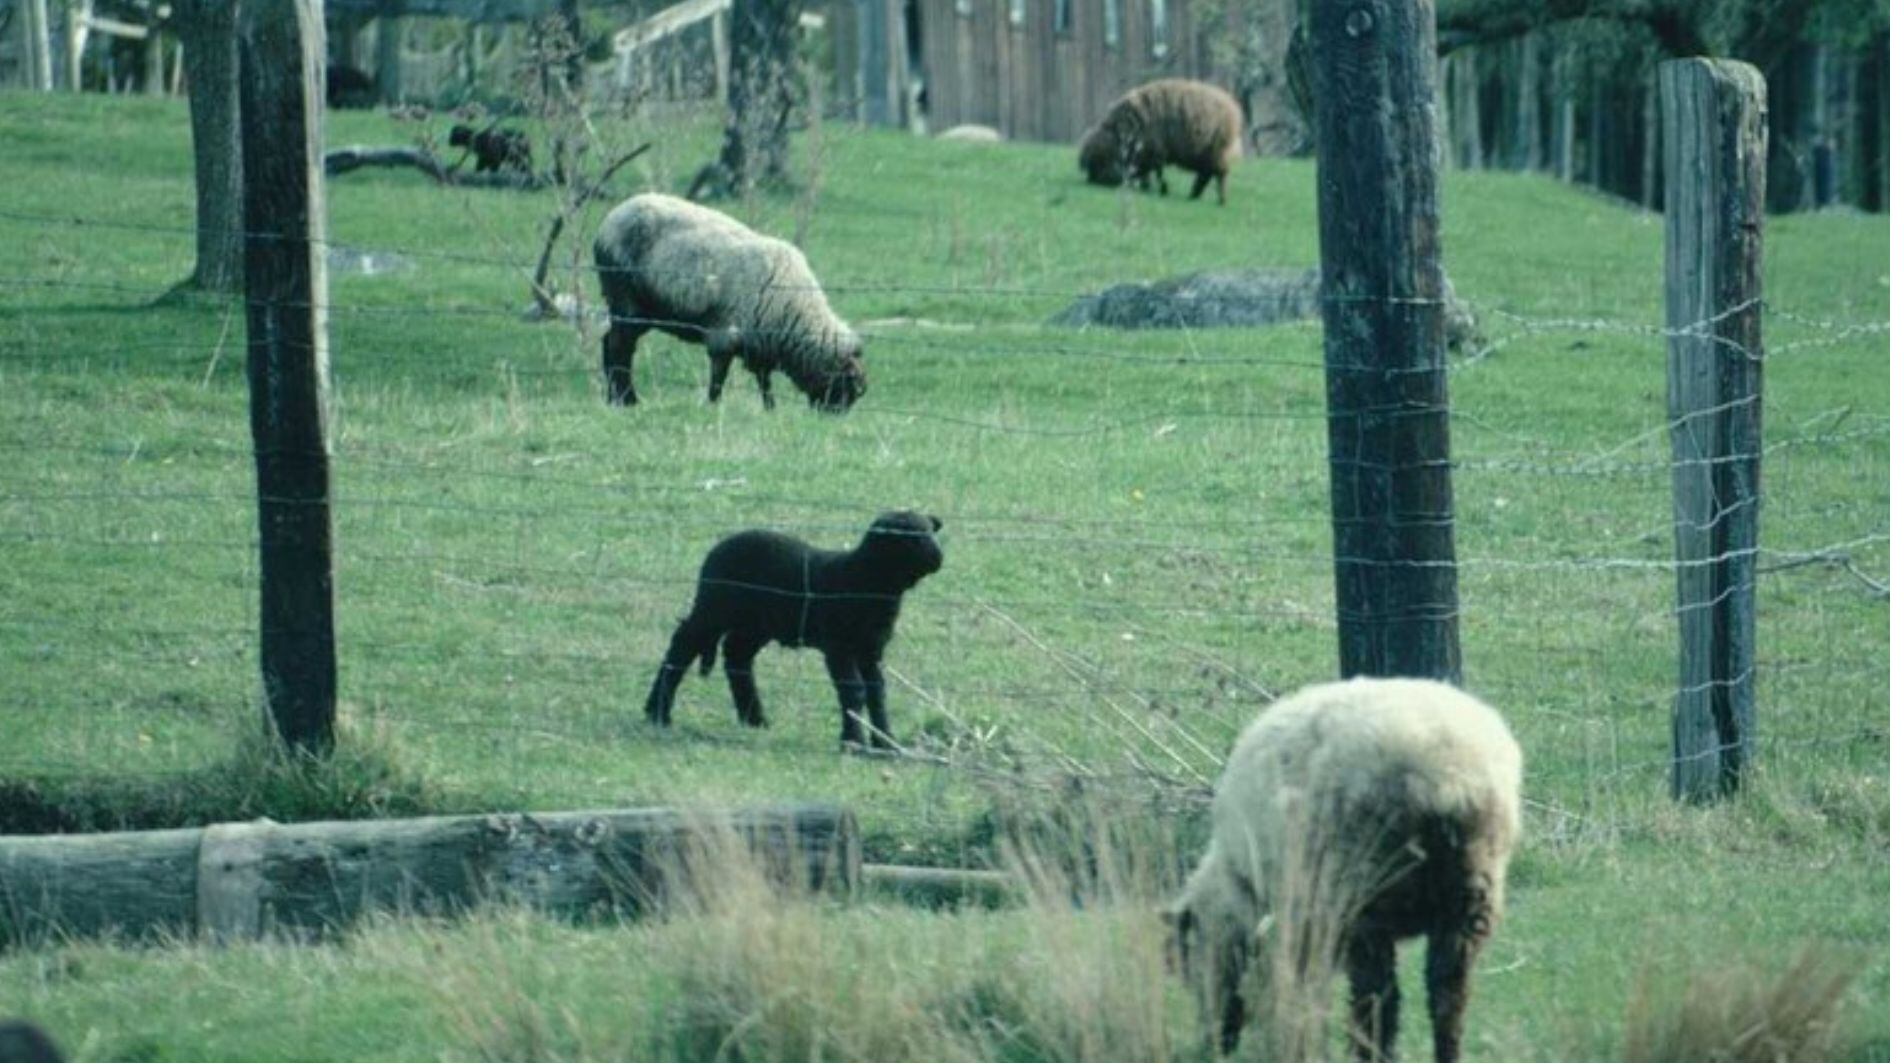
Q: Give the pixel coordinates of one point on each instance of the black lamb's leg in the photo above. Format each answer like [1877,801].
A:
[620,351]
[739,662]
[876,702]
[1200,185]
[845,672]
[687,644]
[1372,966]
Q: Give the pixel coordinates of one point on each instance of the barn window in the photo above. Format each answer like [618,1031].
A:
[1017,12]
[1112,23]
[1063,14]
[1158,28]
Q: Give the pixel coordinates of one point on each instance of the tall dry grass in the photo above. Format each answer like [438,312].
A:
[1745,1013]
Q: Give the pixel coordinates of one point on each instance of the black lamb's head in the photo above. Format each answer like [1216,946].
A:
[459,136]
[905,544]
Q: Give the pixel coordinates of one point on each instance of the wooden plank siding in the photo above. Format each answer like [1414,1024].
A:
[1026,78]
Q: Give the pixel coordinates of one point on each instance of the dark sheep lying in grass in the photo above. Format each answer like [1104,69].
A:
[1351,815]
[494,149]
[703,277]
[1170,122]
[758,587]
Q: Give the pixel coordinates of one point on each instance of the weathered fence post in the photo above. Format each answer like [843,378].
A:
[286,287]
[1387,408]
[1713,114]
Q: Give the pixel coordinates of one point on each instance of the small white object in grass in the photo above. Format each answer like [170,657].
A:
[1165,429]
[716,482]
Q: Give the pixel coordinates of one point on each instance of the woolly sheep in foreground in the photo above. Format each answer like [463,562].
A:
[1352,815]
[703,277]
[758,587]
[1170,122]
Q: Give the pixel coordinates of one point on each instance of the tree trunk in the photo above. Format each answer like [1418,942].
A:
[1562,124]
[1877,110]
[388,33]
[36,31]
[764,87]
[207,29]
[1528,105]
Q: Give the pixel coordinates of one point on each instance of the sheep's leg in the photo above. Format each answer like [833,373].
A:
[1220,187]
[739,663]
[1230,968]
[620,350]
[845,672]
[765,378]
[684,646]
[876,702]
[1372,967]
[1161,179]
[722,352]
[1449,956]
[1200,185]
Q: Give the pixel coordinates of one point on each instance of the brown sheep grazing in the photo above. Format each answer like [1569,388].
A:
[1171,122]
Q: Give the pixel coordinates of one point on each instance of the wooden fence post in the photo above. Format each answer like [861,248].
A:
[286,288]
[1387,408]
[1713,114]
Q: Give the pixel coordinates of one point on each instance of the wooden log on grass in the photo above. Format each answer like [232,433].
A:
[243,880]
[941,887]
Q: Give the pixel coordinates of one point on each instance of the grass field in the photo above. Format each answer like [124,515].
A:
[1138,555]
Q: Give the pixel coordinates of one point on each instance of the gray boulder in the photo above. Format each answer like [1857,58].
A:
[1230,298]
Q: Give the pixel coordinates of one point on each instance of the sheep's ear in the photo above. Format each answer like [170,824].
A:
[936,523]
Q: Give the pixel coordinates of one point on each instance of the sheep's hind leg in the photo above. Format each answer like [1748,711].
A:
[620,351]
[739,663]
[765,378]
[1372,966]
[845,672]
[1200,185]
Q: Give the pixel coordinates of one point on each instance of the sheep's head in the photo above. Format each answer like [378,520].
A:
[904,543]
[1209,947]
[1100,156]
[460,136]
[843,387]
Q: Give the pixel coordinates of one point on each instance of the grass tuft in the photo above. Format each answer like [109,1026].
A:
[1746,1014]
[366,777]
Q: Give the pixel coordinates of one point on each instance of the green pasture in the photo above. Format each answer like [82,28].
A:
[1138,555]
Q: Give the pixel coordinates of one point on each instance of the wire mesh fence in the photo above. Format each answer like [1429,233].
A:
[1137,534]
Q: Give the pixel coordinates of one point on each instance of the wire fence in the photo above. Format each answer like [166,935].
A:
[1138,554]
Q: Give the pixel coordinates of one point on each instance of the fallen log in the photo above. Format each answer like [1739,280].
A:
[362,156]
[243,880]
[941,887]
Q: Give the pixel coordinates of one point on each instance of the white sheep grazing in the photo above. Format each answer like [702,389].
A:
[1352,815]
[701,276]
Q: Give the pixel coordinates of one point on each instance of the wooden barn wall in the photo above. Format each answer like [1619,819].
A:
[1025,78]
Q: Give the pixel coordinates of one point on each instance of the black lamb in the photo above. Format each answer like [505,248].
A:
[758,587]
[493,149]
